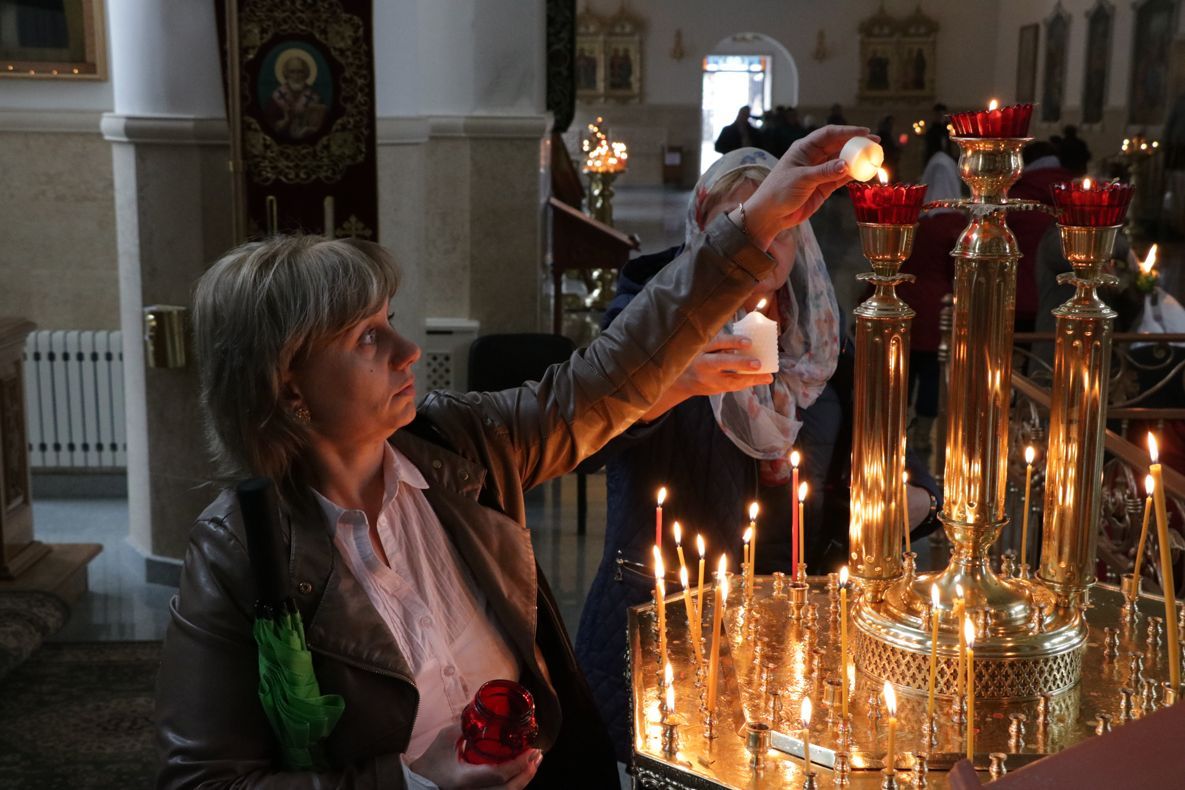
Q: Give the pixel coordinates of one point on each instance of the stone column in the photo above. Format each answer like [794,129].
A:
[172,198]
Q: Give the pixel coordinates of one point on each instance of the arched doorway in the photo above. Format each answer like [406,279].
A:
[743,69]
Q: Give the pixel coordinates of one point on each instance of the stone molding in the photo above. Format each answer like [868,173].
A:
[166,129]
[50,121]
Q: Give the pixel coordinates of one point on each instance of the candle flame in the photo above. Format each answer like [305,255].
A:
[993,104]
[662,495]
[722,566]
[905,477]
[1086,183]
[723,589]
[882,175]
[683,577]
[1147,264]
[754,509]
[969,631]
[668,674]
[806,711]
[802,489]
[761,305]
[1149,484]
[1030,454]
[1153,451]
[843,576]
[748,535]
[890,698]
[699,545]
[795,457]
[934,595]
[678,530]
[660,569]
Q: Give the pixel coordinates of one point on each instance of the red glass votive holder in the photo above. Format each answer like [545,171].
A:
[1011,121]
[1089,203]
[887,204]
[499,724]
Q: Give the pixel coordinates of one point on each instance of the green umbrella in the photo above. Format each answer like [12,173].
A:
[300,715]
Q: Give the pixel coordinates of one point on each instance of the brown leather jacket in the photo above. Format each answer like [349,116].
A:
[211,727]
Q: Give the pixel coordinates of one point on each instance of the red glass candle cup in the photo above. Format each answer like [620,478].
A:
[1012,121]
[887,204]
[499,724]
[1087,203]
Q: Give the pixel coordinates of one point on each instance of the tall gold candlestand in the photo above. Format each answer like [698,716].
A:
[882,403]
[600,195]
[1073,490]
[1027,644]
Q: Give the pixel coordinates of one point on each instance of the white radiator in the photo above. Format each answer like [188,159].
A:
[445,362]
[74,398]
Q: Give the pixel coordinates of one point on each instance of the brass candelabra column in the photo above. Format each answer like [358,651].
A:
[881,407]
[600,195]
[1081,367]
[1025,643]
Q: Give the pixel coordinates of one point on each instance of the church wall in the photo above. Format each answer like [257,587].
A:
[57,239]
[670,109]
[1103,138]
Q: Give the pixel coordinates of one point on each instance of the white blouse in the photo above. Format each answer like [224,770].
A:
[428,598]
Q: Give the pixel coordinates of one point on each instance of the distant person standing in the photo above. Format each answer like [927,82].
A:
[1073,152]
[738,134]
[937,138]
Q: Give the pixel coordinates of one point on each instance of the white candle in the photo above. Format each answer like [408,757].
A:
[864,157]
[891,704]
[763,333]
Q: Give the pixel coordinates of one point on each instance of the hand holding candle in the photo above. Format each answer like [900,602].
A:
[763,334]
[863,156]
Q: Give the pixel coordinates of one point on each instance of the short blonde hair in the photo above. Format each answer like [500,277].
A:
[257,311]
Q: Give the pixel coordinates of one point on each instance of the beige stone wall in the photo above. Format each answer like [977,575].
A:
[58,264]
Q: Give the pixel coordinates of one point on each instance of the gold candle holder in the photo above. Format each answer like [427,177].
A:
[600,195]
[1014,660]
[881,408]
[1081,367]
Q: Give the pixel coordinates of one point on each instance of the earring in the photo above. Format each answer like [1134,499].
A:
[302,414]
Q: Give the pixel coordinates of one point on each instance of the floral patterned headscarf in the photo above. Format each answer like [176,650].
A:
[763,421]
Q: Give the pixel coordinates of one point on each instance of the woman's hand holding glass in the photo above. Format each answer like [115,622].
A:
[722,366]
[443,765]
[796,188]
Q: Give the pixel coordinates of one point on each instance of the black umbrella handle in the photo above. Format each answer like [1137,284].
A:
[265,541]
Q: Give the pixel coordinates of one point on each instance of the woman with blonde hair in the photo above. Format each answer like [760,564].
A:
[404,527]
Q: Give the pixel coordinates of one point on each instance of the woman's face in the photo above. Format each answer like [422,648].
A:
[781,249]
[359,386]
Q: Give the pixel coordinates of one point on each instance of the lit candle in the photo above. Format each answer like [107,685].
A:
[678,530]
[1166,565]
[933,651]
[753,510]
[891,706]
[699,593]
[960,605]
[905,507]
[1030,454]
[746,562]
[794,459]
[806,735]
[995,121]
[720,595]
[692,630]
[1149,487]
[969,637]
[660,603]
[863,157]
[802,487]
[763,336]
[662,497]
[843,638]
